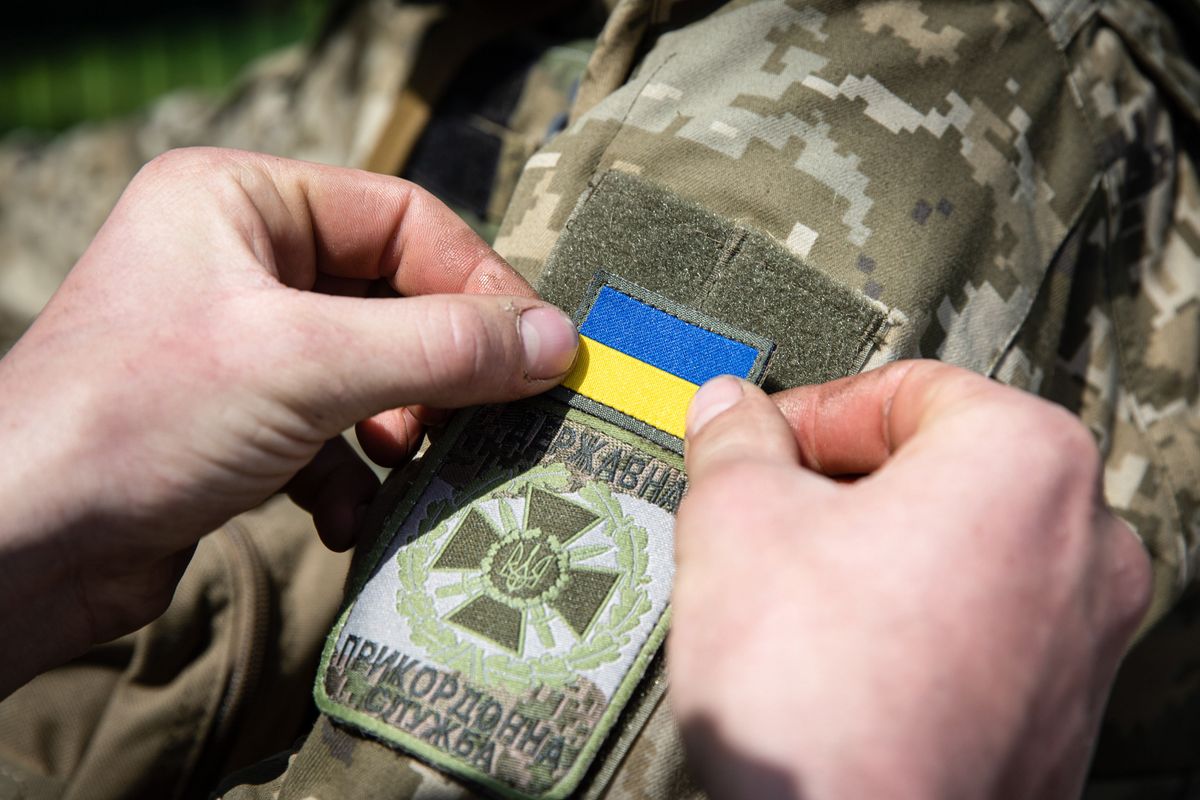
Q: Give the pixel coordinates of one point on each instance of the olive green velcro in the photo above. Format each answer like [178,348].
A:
[639,231]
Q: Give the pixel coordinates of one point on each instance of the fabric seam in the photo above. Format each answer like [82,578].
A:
[1061,37]
[1183,571]
[1097,167]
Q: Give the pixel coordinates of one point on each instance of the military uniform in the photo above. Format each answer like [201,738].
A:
[1004,186]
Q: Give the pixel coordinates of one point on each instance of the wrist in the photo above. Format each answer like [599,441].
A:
[43,620]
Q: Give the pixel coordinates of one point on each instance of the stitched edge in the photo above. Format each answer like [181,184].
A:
[764,347]
[394,737]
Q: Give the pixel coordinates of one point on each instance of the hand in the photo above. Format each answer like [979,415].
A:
[946,625]
[214,336]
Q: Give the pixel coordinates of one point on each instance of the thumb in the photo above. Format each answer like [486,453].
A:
[362,357]
[731,421]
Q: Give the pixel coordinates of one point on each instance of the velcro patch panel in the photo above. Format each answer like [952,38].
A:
[519,587]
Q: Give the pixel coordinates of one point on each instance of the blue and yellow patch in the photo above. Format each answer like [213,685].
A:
[642,357]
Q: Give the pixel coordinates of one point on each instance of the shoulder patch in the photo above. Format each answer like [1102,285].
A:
[520,587]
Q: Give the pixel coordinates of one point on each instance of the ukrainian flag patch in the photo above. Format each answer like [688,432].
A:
[642,357]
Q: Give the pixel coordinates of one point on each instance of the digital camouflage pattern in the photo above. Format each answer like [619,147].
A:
[1009,179]
[1027,222]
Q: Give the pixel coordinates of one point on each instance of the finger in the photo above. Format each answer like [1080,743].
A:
[343,359]
[353,224]
[335,487]
[730,421]
[853,425]
[391,438]
[430,416]
[1125,587]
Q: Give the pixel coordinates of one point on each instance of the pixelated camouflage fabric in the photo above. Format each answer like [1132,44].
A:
[1012,180]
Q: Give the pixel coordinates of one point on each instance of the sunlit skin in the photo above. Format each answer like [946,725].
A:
[904,584]
[947,625]
[206,352]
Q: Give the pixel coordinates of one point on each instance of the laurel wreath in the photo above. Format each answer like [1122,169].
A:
[608,638]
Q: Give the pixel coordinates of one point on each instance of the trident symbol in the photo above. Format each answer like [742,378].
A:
[523,570]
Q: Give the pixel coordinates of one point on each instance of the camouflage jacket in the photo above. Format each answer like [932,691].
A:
[1003,185]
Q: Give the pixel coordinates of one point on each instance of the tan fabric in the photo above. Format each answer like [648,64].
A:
[217,682]
[1119,194]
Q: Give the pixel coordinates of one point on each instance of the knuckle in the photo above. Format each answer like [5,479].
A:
[1133,579]
[167,160]
[195,163]
[1067,440]
[457,345]
[416,195]
[1063,459]
[492,275]
[172,162]
[929,372]
[468,338]
[921,368]
[181,170]
[1076,442]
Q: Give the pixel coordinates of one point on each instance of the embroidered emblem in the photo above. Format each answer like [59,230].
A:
[520,586]
[549,575]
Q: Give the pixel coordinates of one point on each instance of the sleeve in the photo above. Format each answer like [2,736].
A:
[997,186]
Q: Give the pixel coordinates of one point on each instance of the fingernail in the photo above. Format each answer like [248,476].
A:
[719,394]
[428,416]
[550,341]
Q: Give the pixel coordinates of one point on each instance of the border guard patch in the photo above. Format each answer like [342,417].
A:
[520,587]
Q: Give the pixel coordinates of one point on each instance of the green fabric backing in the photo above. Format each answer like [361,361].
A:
[632,228]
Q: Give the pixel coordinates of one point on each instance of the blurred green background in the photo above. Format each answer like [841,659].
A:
[73,61]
